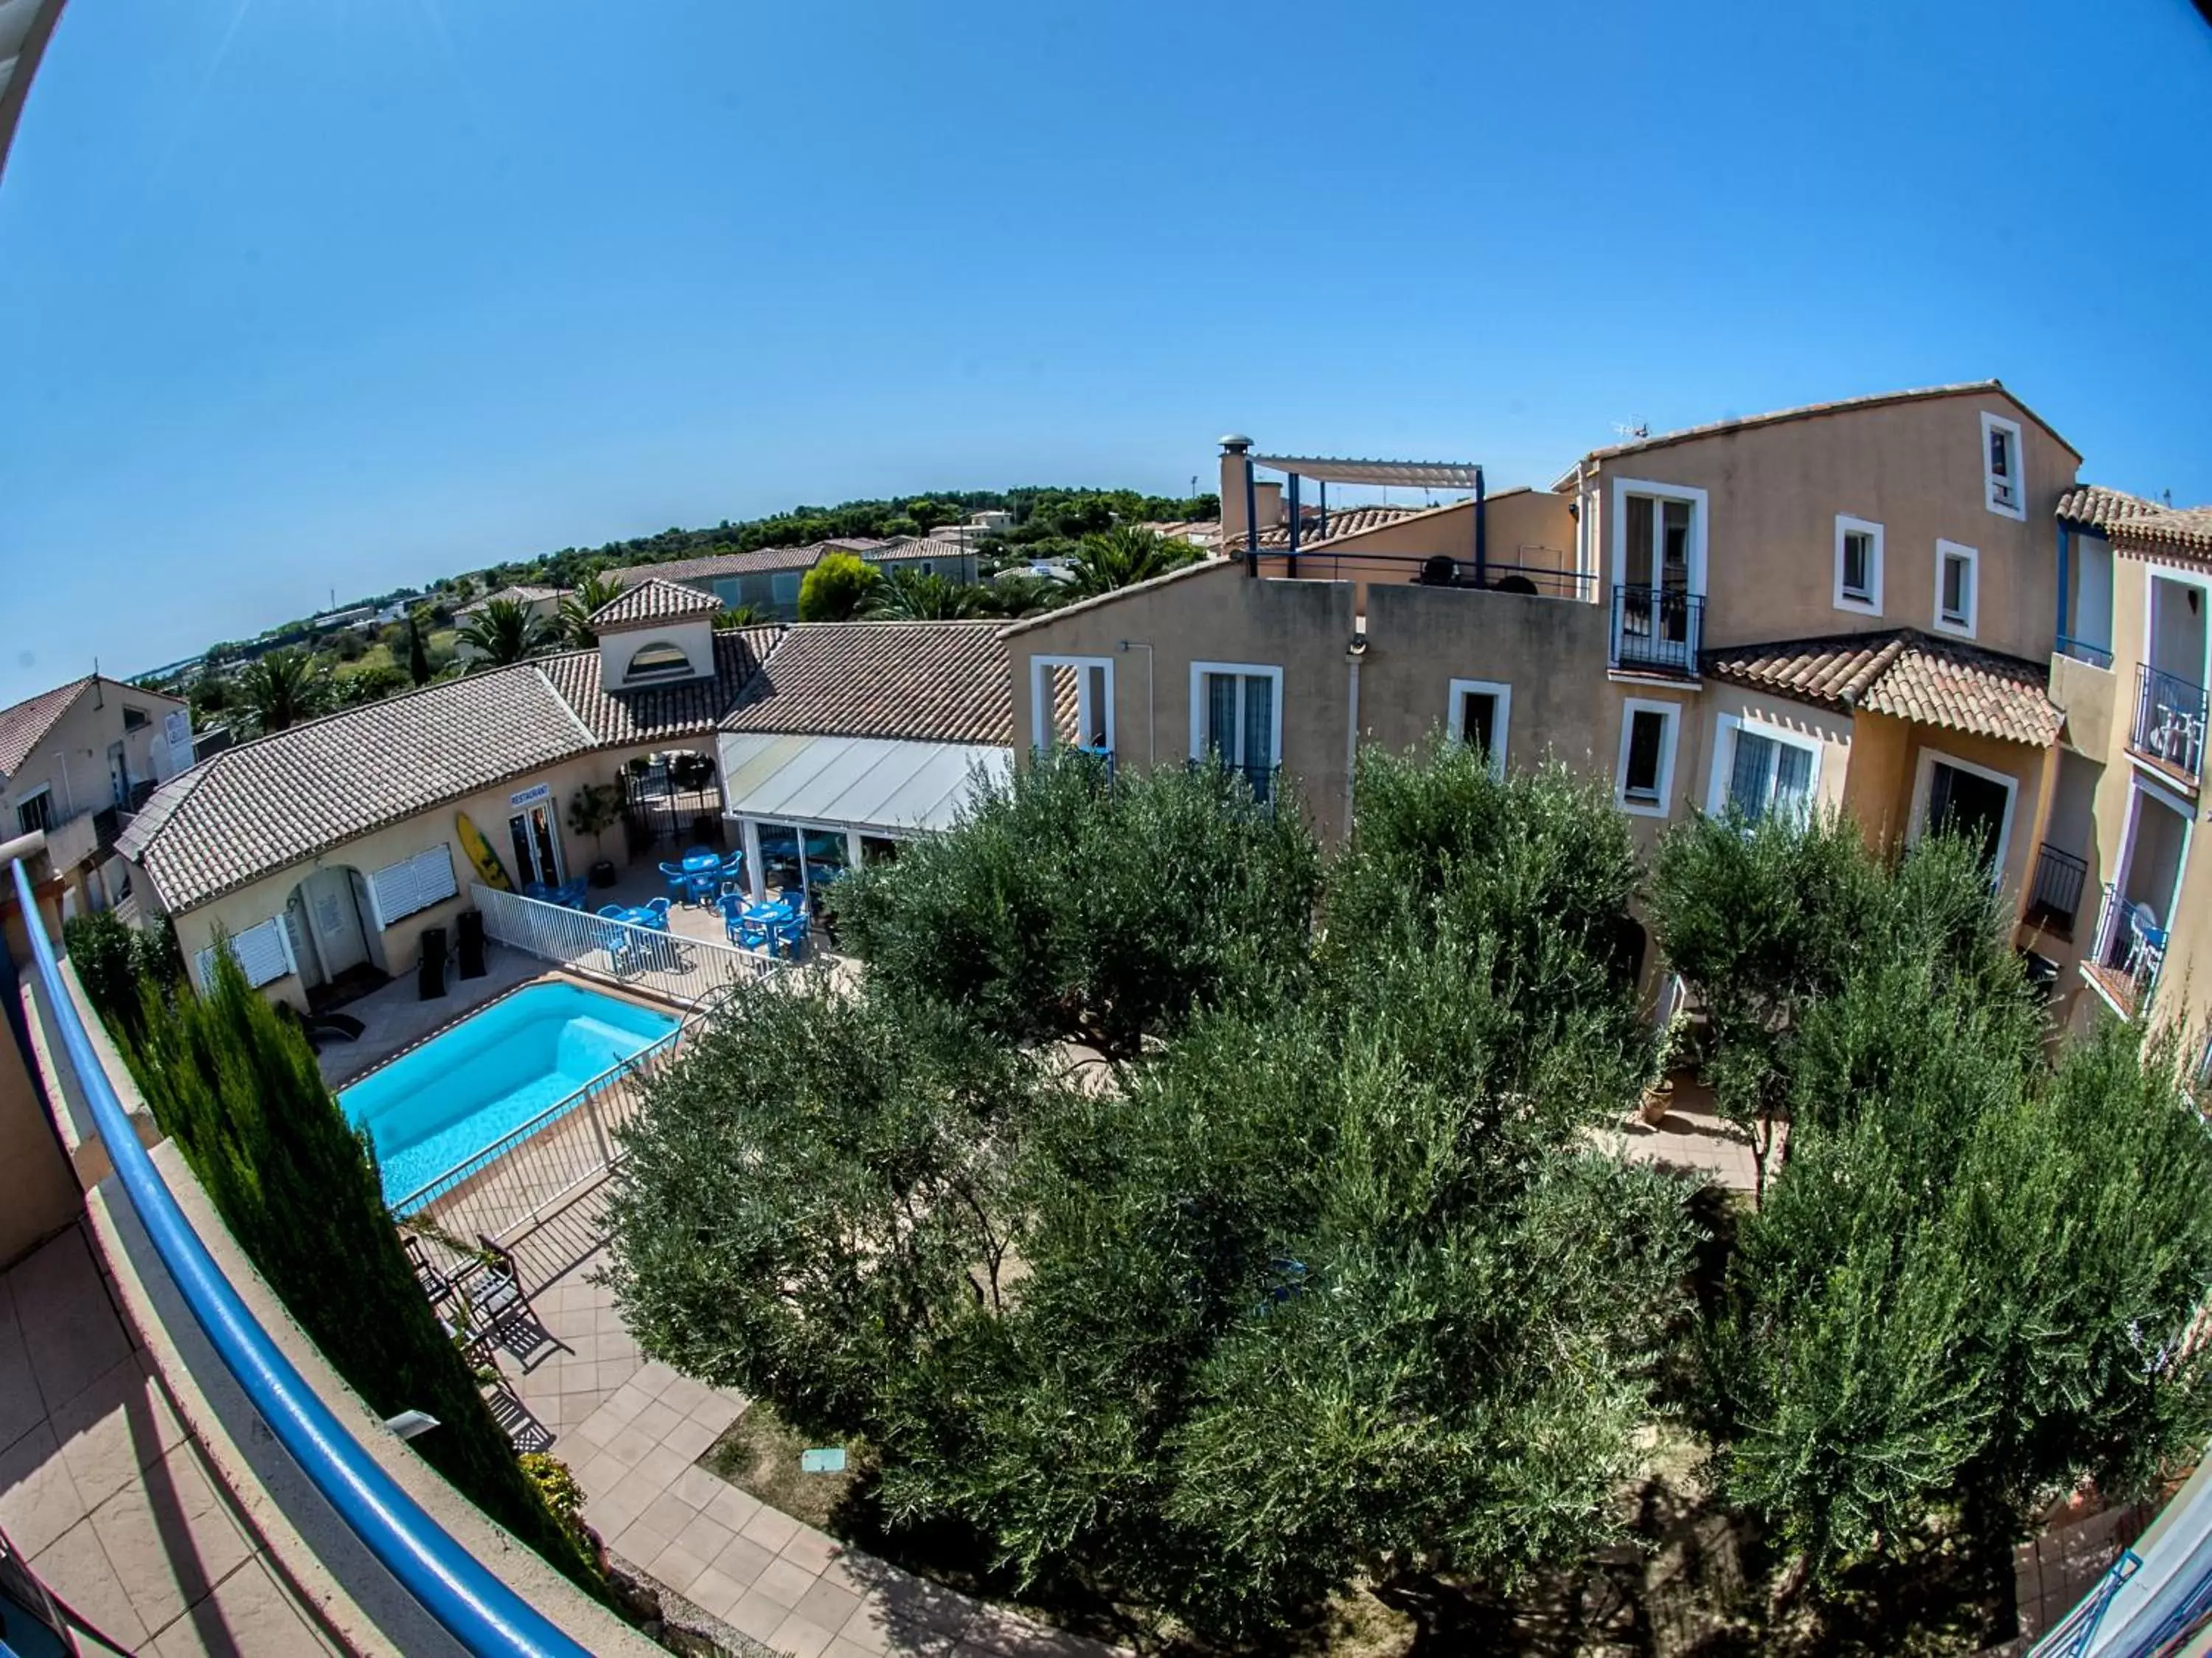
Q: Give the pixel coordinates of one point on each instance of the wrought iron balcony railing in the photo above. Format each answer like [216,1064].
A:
[1657,630]
[2054,897]
[2169,723]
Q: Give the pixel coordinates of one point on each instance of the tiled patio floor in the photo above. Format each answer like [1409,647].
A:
[1693,1134]
[632,1432]
[397,1016]
[104,1491]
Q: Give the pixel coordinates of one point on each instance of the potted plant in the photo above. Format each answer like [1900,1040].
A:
[593,810]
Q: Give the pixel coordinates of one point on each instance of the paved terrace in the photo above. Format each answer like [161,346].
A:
[104,1491]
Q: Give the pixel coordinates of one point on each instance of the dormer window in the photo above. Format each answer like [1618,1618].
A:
[657,660]
[2003,486]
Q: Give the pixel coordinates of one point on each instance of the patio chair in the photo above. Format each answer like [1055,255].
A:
[700,887]
[658,908]
[732,887]
[430,976]
[678,879]
[472,925]
[436,1283]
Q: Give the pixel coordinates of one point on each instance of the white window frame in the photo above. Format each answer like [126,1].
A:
[1726,727]
[1455,716]
[1041,668]
[1664,806]
[2018,509]
[1871,605]
[684,669]
[1946,551]
[1923,778]
[1624,487]
[1198,673]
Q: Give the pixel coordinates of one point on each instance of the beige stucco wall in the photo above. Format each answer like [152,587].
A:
[72,760]
[1215,615]
[1916,468]
[401,944]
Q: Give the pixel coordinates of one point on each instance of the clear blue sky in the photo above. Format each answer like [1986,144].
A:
[297,294]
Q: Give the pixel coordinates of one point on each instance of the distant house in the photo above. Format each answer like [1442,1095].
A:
[76,762]
[767,579]
[544,603]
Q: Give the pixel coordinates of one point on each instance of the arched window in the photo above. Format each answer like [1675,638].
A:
[657,660]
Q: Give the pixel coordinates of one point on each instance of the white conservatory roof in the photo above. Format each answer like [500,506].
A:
[856,783]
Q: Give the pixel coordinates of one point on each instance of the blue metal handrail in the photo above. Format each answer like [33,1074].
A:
[467,1600]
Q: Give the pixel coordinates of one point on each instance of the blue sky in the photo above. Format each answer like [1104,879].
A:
[305,295]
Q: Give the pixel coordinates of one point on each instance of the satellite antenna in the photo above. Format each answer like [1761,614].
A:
[1632,429]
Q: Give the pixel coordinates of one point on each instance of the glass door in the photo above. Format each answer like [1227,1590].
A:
[537,845]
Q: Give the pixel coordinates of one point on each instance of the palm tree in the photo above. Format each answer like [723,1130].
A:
[505,631]
[1124,556]
[739,615]
[907,596]
[593,593]
[1017,594]
[283,688]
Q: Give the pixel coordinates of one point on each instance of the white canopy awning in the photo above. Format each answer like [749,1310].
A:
[877,784]
[1416,474]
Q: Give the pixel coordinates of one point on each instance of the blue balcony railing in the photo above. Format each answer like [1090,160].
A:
[480,1612]
[1657,630]
[2169,722]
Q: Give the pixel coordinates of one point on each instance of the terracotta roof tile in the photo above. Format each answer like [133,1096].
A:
[2099,507]
[23,727]
[651,602]
[938,682]
[274,802]
[521,594]
[654,713]
[1904,674]
[1344,520]
[713,566]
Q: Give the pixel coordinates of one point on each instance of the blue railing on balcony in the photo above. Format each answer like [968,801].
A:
[1657,630]
[2169,723]
[2082,650]
[453,1586]
[2128,951]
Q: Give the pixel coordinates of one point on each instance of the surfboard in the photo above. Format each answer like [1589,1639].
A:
[480,853]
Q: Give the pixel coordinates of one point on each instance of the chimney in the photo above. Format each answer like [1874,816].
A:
[1236,476]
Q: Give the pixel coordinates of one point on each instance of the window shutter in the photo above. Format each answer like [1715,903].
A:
[412,884]
[262,950]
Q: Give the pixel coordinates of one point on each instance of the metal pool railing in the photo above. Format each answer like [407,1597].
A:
[540,1167]
[671,965]
[478,1609]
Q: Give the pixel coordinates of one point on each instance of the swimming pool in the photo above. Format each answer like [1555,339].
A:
[442,1103]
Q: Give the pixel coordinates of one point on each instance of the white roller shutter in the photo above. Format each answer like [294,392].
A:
[401,889]
[262,950]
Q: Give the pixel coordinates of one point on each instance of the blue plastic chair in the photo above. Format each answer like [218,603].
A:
[659,910]
[680,881]
[701,887]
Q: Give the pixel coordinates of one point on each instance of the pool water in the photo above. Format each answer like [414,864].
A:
[441,1104]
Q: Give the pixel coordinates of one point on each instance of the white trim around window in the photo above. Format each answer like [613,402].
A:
[1094,699]
[1617,511]
[1923,778]
[1945,552]
[1198,673]
[1662,804]
[2007,495]
[1868,603]
[1500,724]
[1728,730]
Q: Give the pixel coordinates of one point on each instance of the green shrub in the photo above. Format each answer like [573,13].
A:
[837,588]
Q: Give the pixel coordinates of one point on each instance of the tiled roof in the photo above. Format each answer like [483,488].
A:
[716,566]
[862,545]
[2099,507]
[521,594]
[1840,405]
[651,602]
[656,712]
[939,681]
[1905,673]
[24,726]
[283,798]
[1342,522]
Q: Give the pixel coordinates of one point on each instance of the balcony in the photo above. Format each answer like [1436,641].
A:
[1657,630]
[2169,723]
[2130,952]
[2054,896]
[2082,651]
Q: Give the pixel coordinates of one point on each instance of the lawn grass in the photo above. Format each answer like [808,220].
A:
[760,1454]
